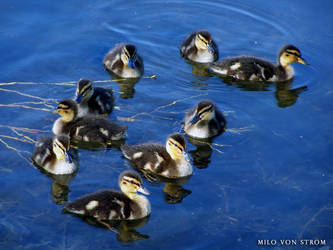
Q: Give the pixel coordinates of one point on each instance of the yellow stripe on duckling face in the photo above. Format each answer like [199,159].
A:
[174,148]
[201,42]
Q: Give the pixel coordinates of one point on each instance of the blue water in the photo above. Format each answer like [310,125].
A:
[269,176]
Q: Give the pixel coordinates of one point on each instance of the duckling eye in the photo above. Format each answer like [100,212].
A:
[287,54]
[124,183]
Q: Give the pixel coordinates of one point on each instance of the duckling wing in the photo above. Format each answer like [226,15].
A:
[97,129]
[103,204]
[43,151]
[245,68]
[150,157]
[187,46]
[102,101]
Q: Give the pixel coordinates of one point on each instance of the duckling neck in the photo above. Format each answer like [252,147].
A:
[285,72]
[184,167]
[142,202]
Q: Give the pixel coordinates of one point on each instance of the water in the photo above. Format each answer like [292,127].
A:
[269,176]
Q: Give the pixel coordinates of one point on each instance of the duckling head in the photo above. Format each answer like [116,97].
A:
[61,148]
[204,111]
[67,109]
[203,41]
[128,55]
[176,146]
[289,54]
[84,90]
[130,183]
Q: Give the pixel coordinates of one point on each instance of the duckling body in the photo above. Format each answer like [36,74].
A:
[124,61]
[93,100]
[112,204]
[251,68]
[93,129]
[199,47]
[170,161]
[53,155]
[204,120]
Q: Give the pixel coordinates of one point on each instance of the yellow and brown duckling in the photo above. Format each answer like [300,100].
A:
[170,161]
[204,120]
[52,154]
[256,69]
[91,129]
[93,100]
[199,47]
[124,61]
[112,204]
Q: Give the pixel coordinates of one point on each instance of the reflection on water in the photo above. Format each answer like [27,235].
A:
[201,155]
[173,190]
[59,186]
[200,69]
[127,89]
[284,94]
[95,146]
[125,229]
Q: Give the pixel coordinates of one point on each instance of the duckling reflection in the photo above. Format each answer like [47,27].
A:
[59,187]
[285,96]
[125,229]
[127,85]
[173,190]
[201,155]
[200,69]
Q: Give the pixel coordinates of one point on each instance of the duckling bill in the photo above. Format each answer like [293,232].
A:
[204,120]
[93,100]
[199,47]
[124,61]
[112,204]
[170,161]
[91,129]
[53,155]
[256,69]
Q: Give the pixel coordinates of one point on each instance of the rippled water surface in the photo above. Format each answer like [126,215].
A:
[269,176]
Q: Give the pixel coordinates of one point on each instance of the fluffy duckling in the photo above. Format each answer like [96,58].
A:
[124,61]
[199,47]
[170,161]
[92,129]
[205,120]
[256,69]
[93,100]
[53,155]
[112,204]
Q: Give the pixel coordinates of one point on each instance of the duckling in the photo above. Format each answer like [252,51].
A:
[112,204]
[92,129]
[170,161]
[93,100]
[53,155]
[199,47]
[256,69]
[205,120]
[124,61]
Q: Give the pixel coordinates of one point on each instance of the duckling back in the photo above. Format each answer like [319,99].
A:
[106,205]
[152,158]
[96,129]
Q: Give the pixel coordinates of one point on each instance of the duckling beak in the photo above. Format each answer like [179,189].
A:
[131,63]
[186,156]
[78,98]
[301,60]
[195,119]
[143,190]
[210,48]
[68,157]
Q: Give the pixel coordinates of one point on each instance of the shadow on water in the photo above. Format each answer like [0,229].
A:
[202,153]
[98,146]
[127,86]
